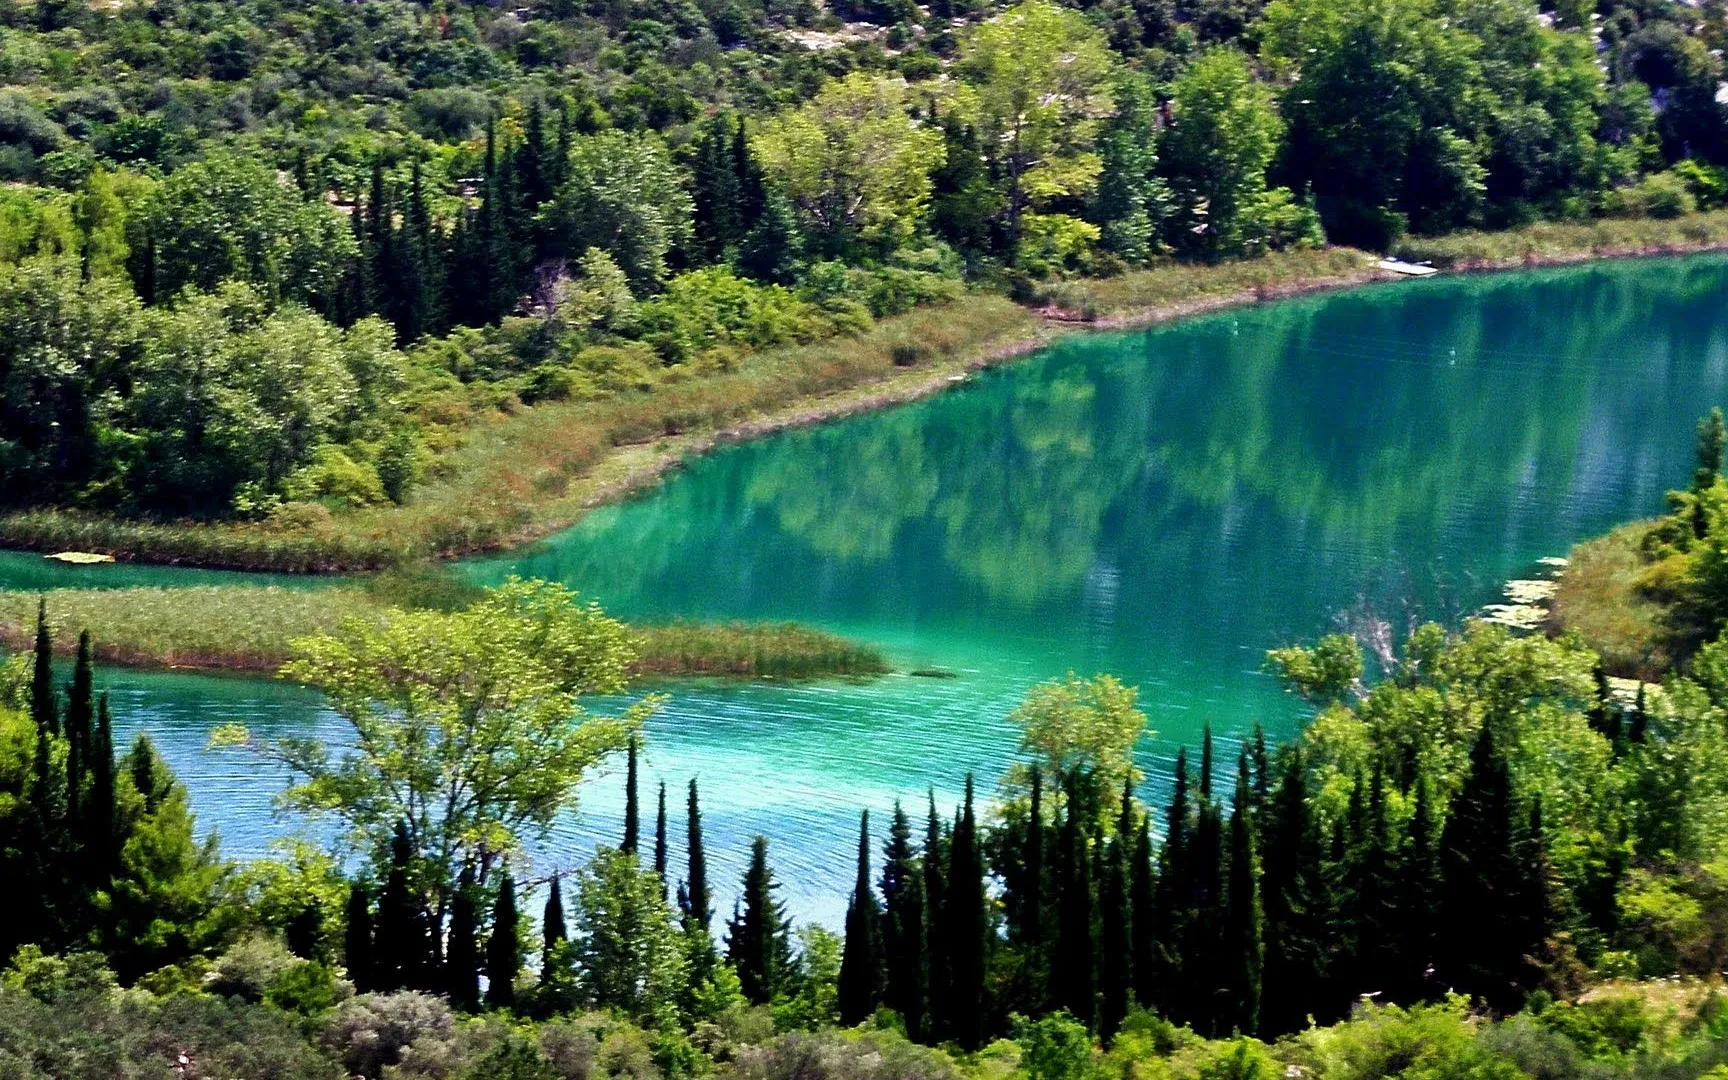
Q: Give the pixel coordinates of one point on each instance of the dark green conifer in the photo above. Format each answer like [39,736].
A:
[1419,894]
[861,964]
[937,945]
[99,799]
[80,729]
[503,948]
[906,990]
[698,901]
[553,927]
[632,807]
[1073,964]
[758,941]
[1143,919]
[660,838]
[966,925]
[1172,894]
[44,708]
[462,955]
[1481,948]
[357,952]
[1243,946]
[399,955]
[1115,938]
[1294,900]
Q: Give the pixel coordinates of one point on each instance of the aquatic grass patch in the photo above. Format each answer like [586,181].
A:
[251,628]
[1560,242]
[1600,597]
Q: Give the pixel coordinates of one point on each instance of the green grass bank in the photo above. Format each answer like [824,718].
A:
[250,628]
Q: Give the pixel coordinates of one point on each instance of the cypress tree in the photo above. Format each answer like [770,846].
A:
[1243,947]
[937,943]
[861,963]
[1204,896]
[1143,918]
[660,839]
[462,956]
[715,189]
[400,939]
[80,729]
[99,799]
[966,925]
[1074,965]
[1171,895]
[1115,939]
[906,990]
[698,901]
[1262,794]
[44,709]
[1028,931]
[758,942]
[357,952]
[1640,726]
[553,927]
[503,949]
[1206,763]
[632,808]
[1419,891]
[1372,895]
[1293,894]
[1479,940]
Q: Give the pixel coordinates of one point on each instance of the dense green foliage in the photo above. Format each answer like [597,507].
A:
[276,259]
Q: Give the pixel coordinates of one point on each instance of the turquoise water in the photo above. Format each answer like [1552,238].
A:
[1164,505]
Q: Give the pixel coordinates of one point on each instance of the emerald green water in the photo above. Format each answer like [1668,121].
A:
[1164,505]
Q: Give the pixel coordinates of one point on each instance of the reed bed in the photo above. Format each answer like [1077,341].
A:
[1174,289]
[250,628]
[1563,242]
[1598,597]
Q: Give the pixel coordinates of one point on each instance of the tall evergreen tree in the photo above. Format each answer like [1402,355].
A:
[1243,946]
[698,901]
[1143,919]
[1027,928]
[1172,894]
[99,799]
[399,955]
[906,990]
[758,941]
[1480,944]
[1293,892]
[44,708]
[1419,892]
[554,927]
[660,839]
[1115,938]
[1073,974]
[357,951]
[462,955]
[632,807]
[937,945]
[80,727]
[861,963]
[503,948]
[714,189]
[1202,962]
[966,924]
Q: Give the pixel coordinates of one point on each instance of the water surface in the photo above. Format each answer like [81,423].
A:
[1164,505]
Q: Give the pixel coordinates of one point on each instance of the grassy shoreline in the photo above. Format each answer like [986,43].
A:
[248,628]
[528,475]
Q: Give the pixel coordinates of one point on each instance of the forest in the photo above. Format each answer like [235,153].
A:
[279,264]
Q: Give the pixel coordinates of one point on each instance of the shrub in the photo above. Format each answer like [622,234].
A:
[1660,195]
[250,967]
[370,1032]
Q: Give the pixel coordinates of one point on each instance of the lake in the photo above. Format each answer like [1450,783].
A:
[1164,505]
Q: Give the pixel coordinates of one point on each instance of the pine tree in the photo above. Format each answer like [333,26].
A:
[861,963]
[1073,974]
[1243,946]
[906,990]
[1419,892]
[503,948]
[660,839]
[938,987]
[758,942]
[966,925]
[357,940]
[462,956]
[698,901]
[1480,944]
[632,807]
[44,709]
[1372,896]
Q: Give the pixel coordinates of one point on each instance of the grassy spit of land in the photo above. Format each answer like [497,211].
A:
[1604,597]
[531,473]
[251,628]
